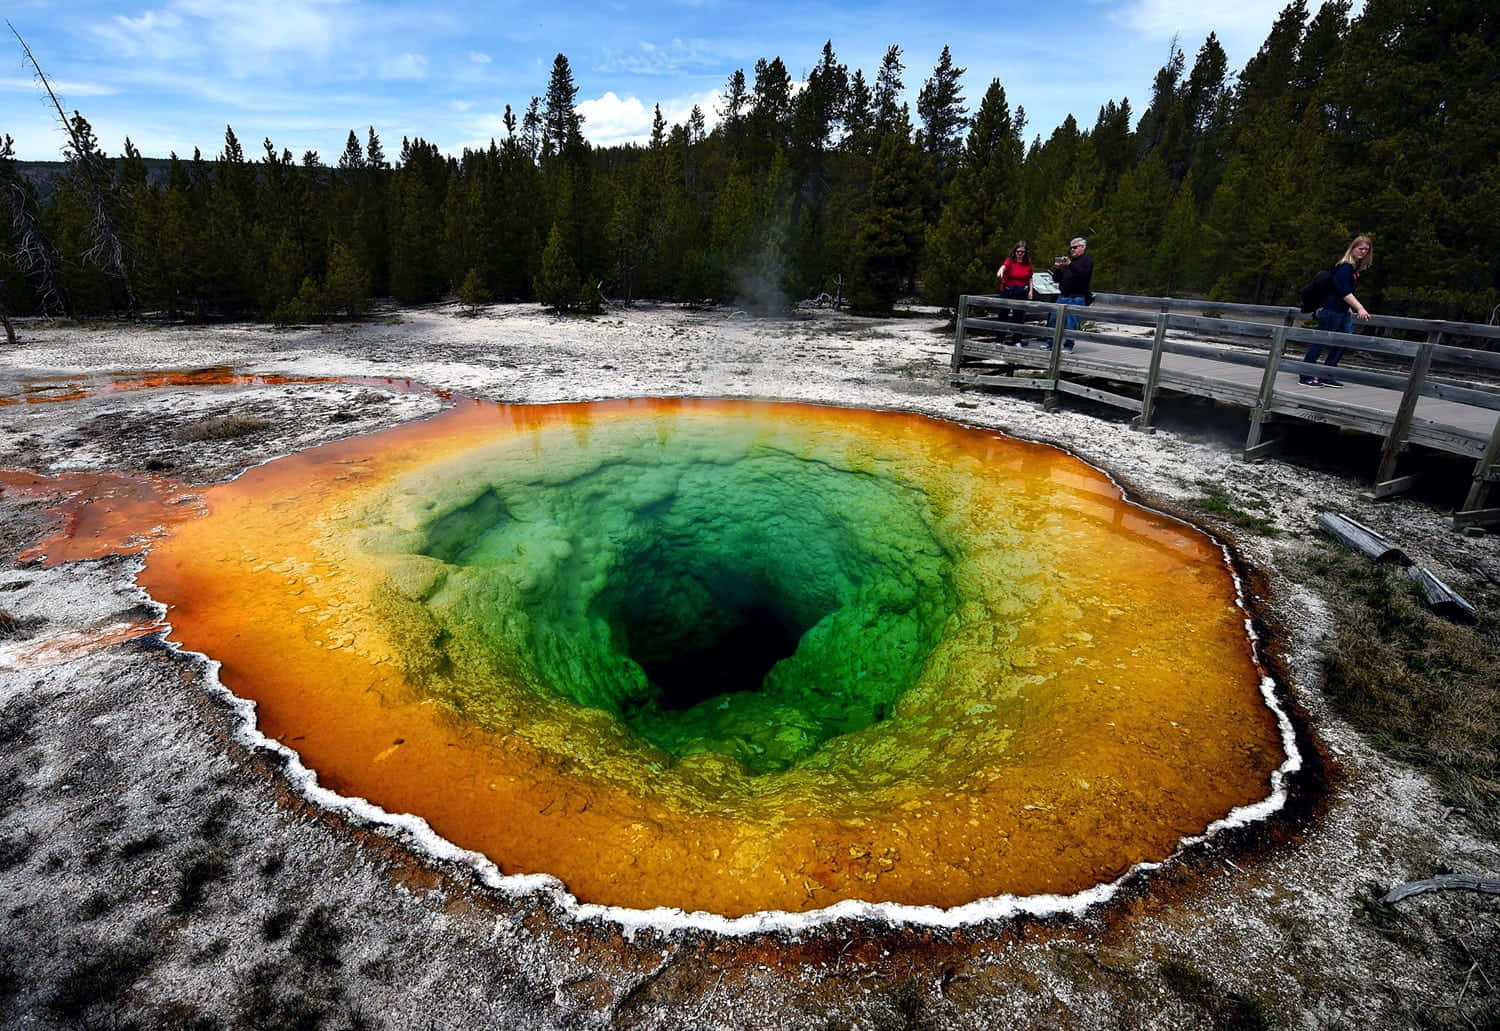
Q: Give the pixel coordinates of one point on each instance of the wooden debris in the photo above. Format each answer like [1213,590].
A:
[1441,598]
[1361,538]
[1442,882]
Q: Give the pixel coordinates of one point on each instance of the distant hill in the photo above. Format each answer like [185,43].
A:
[44,174]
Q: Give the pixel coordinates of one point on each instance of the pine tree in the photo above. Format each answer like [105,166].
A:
[890,115]
[940,106]
[890,230]
[770,115]
[859,116]
[736,108]
[562,125]
[353,158]
[980,220]
[557,281]
[473,293]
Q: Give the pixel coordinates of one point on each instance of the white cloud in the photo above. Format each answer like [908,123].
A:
[676,110]
[64,88]
[611,119]
[404,67]
[479,58]
[242,38]
[155,35]
[649,58]
[1241,27]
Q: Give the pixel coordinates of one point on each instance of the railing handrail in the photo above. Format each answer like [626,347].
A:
[1470,329]
[1451,354]
[1211,336]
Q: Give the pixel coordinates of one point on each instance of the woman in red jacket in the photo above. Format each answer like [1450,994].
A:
[1015,280]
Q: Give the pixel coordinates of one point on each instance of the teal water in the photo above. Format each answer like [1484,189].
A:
[713,592]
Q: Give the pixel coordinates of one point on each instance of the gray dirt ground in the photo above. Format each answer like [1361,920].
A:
[156,872]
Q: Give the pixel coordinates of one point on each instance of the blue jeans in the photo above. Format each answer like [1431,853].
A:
[1071,322]
[1330,322]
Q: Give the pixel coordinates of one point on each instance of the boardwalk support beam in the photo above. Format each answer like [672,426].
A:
[1255,448]
[1153,375]
[1386,483]
[1486,472]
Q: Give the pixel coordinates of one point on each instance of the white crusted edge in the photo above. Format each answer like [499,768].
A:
[420,834]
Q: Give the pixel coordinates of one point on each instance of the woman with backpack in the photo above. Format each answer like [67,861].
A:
[1340,308]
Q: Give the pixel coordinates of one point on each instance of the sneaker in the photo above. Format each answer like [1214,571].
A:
[1308,381]
[1326,382]
[1068,347]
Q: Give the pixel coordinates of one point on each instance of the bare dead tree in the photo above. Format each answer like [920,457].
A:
[89,168]
[32,252]
[10,330]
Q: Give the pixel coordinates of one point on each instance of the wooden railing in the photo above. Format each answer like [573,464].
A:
[1407,391]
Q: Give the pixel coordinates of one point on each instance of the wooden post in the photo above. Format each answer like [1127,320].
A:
[1054,360]
[959,317]
[1153,374]
[1486,472]
[1395,442]
[1261,413]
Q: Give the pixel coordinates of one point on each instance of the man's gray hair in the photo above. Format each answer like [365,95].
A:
[1078,241]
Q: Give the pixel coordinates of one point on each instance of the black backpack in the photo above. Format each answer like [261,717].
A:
[1317,291]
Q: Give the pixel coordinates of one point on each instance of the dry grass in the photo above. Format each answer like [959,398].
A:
[1423,689]
[220,427]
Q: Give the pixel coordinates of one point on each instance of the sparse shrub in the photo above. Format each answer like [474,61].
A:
[319,939]
[99,979]
[15,850]
[267,1004]
[220,427]
[17,719]
[309,305]
[212,951]
[1227,1009]
[1421,688]
[12,790]
[10,974]
[15,626]
[96,905]
[194,881]
[274,927]
[217,819]
[140,846]
[1218,503]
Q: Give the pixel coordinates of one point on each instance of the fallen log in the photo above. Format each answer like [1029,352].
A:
[1442,882]
[1441,598]
[1361,538]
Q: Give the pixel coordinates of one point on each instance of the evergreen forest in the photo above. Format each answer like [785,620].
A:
[1212,184]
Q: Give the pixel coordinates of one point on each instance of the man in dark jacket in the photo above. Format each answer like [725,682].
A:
[1074,275]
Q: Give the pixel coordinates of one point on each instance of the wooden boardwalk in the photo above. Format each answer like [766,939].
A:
[1410,392]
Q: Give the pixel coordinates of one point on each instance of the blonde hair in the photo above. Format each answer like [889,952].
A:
[1362,263]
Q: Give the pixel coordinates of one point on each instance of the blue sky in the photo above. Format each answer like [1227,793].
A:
[171,74]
